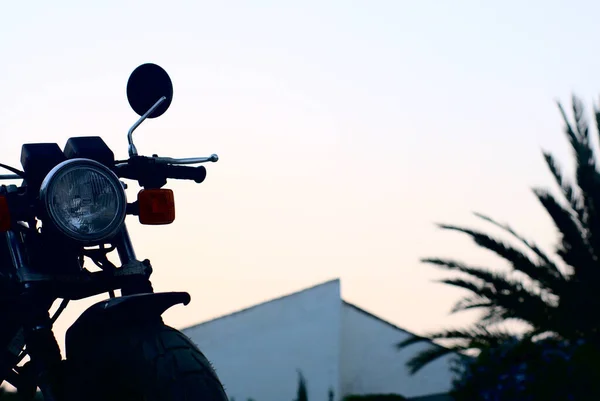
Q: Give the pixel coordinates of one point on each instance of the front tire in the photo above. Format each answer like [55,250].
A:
[147,362]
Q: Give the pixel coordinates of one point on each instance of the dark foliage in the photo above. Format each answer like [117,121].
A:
[556,296]
[375,397]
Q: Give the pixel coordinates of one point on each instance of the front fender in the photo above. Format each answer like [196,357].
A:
[113,313]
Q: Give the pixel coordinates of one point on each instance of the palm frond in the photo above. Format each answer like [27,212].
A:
[493,315]
[588,178]
[475,337]
[572,134]
[484,292]
[530,245]
[581,124]
[580,142]
[574,248]
[475,288]
[425,357]
[478,337]
[412,340]
[568,191]
[508,299]
[597,118]
[498,282]
[549,279]
[473,302]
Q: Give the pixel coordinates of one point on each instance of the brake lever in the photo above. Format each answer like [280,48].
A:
[189,160]
[166,160]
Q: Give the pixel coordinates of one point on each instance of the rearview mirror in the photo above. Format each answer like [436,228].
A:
[146,85]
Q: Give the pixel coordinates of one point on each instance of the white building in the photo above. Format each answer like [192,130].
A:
[257,352]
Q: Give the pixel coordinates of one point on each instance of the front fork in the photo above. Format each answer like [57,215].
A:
[127,255]
[41,344]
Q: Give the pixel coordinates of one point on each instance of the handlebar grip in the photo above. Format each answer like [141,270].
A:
[197,174]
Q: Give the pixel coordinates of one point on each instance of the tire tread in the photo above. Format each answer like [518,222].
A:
[159,358]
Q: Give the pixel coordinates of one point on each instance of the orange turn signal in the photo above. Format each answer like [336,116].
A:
[157,206]
[4,215]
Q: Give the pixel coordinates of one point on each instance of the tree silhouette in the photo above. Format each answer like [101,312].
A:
[302,394]
[554,294]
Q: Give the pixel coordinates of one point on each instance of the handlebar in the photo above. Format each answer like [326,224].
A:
[197,174]
[149,169]
[154,171]
[10,177]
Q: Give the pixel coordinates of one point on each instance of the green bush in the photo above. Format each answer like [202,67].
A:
[375,397]
[302,394]
[525,370]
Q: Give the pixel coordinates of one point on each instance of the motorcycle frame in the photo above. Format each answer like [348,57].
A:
[30,325]
[27,322]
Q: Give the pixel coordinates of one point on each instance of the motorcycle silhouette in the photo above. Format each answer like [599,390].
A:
[72,205]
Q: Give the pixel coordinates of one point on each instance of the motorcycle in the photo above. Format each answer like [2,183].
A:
[70,209]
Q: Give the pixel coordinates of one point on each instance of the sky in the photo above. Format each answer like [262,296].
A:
[346,130]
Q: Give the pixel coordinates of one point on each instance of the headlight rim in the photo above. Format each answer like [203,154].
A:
[117,222]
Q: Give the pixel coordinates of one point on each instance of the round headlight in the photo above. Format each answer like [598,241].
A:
[84,200]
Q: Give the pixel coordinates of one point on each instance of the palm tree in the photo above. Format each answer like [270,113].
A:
[552,295]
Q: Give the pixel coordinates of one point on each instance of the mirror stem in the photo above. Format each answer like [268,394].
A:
[132,149]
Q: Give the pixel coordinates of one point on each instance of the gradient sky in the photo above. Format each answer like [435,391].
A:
[346,129]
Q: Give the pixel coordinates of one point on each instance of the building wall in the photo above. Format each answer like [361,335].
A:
[257,352]
[370,362]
